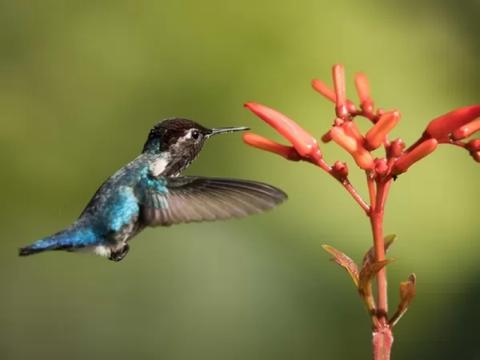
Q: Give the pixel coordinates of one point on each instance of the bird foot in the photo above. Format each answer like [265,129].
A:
[119,254]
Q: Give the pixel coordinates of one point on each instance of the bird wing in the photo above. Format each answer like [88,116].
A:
[167,201]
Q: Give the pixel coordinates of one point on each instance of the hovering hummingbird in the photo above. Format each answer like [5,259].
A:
[148,191]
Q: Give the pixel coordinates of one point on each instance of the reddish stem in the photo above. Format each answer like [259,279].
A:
[382,335]
[318,160]
[382,341]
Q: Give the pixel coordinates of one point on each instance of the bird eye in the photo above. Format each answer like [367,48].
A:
[195,134]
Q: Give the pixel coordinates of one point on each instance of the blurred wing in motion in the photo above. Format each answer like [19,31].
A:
[192,199]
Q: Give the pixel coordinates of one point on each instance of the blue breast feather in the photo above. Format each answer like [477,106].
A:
[122,208]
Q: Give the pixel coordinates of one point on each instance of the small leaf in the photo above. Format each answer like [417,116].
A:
[344,261]
[370,255]
[367,274]
[407,294]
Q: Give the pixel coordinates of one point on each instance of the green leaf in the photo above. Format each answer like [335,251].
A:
[344,261]
[407,294]
[370,255]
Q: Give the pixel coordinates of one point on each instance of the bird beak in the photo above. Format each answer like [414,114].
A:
[226,130]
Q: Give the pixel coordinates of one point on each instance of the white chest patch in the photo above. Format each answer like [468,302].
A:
[158,166]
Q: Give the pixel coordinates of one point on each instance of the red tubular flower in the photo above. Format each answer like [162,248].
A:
[304,143]
[324,90]
[410,158]
[441,127]
[338,73]
[329,94]
[260,142]
[376,135]
[466,130]
[361,156]
[363,91]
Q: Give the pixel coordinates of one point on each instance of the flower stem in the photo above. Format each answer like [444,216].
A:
[382,335]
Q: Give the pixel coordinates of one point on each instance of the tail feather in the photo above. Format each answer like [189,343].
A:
[69,239]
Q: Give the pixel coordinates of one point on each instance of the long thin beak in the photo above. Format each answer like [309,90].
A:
[225,130]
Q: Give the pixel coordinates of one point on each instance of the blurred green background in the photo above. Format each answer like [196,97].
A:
[81,83]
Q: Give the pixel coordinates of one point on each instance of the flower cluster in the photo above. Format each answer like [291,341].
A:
[451,128]
[455,128]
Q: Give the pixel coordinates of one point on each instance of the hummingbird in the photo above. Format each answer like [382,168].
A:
[149,191]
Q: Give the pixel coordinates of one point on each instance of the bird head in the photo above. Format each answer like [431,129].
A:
[181,137]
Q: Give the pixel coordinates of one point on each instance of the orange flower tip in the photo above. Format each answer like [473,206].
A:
[377,134]
[338,72]
[363,89]
[419,152]
[324,90]
[262,143]
[466,130]
[441,127]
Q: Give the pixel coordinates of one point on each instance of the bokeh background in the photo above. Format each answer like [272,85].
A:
[81,83]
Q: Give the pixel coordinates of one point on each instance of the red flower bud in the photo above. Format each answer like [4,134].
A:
[260,142]
[361,156]
[376,135]
[324,90]
[363,91]
[395,149]
[466,130]
[340,170]
[327,137]
[417,153]
[305,144]
[441,127]
[329,94]
[338,72]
